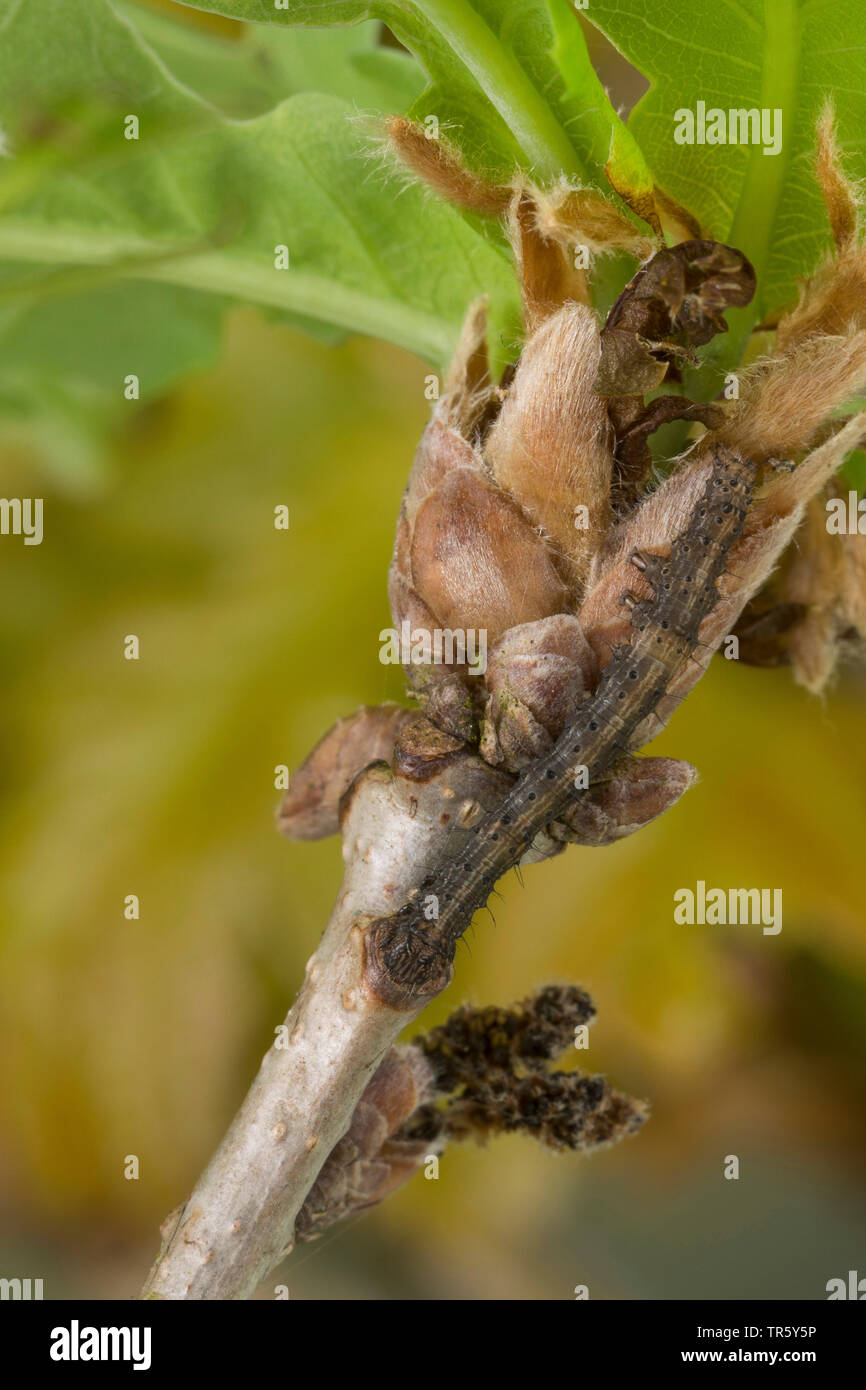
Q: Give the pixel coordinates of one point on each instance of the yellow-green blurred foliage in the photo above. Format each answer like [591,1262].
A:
[155,777]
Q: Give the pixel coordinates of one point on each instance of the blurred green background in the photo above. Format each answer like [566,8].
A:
[156,778]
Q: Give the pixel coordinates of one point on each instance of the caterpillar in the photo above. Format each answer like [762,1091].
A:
[408,957]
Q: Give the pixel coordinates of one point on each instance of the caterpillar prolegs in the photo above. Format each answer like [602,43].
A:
[408,958]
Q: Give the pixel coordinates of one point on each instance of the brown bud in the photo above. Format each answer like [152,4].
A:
[536,674]
[840,196]
[310,808]
[441,689]
[550,446]
[442,168]
[545,268]
[786,399]
[423,750]
[580,216]
[450,699]
[638,790]
[833,300]
[822,584]
[477,563]
[511,736]
[367,1164]
[442,451]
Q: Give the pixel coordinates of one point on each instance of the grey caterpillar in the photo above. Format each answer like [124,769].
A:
[405,952]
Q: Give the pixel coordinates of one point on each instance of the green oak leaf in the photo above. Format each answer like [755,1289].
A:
[247,75]
[187,218]
[789,55]
[511,80]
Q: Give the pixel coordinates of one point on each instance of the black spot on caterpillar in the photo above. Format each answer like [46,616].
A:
[408,958]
